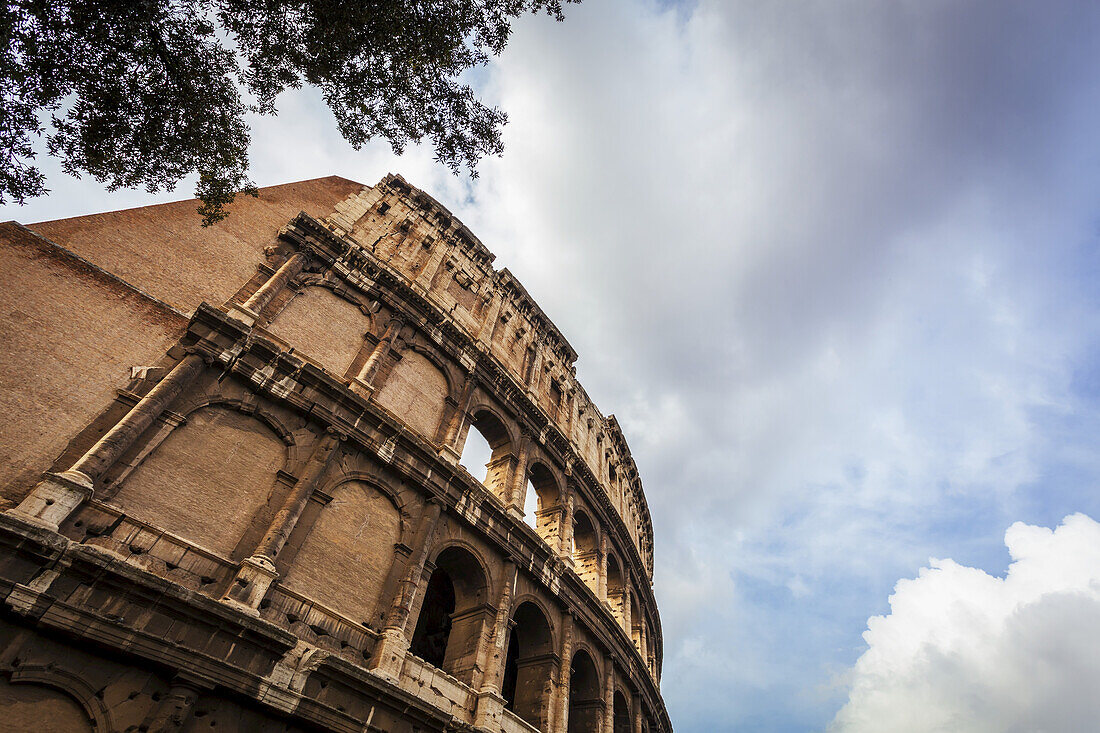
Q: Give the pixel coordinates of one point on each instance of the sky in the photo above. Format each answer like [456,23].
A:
[832,265]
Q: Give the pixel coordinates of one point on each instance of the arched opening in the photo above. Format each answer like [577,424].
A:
[542,506]
[487,452]
[636,624]
[586,559]
[530,666]
[530,506]
[585,706]
[622,714]
[452,614]
[433,628]
[615,589]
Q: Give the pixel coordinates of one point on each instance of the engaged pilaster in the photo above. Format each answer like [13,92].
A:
[389,653]
[256,573]
[490,703]
[56,496]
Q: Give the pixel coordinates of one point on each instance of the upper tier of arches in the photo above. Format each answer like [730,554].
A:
[414,237]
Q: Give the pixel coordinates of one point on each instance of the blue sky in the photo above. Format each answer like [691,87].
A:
[833,265]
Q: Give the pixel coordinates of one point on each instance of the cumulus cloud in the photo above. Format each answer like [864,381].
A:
[967,652]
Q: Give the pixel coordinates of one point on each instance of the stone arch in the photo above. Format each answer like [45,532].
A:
[46,697]
[345,558]
[635,623]
[210,478]
[416,391]
[334,346]
[585,701]
[542,505]
[246,408]
[615,588]
[530,665]
[494,431]
[586,556]
[621,713]
[438,362]
[453,613]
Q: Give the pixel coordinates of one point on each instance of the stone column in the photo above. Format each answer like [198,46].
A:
[256,573]
[249,311]
[609,697]
[390,651]
[364,381]
[174,709]
[518,485]
[449,448]
[485,336]
[490,703]
[636,714]
[626,607]
[560,724]
[56,496]
[565,548]
[601,587]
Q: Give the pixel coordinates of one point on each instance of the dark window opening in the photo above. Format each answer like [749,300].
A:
[511,674]
[433,628]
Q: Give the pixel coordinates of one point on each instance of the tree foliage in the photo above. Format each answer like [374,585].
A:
[140,93]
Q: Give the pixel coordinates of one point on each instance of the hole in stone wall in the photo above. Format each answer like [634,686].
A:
[530,506]
[476,454]
[433,628]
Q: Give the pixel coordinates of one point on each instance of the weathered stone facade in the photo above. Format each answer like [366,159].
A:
[235,489]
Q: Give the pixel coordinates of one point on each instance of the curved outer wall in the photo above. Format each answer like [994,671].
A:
[270,527]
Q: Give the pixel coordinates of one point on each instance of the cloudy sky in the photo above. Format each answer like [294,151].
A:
[833,265]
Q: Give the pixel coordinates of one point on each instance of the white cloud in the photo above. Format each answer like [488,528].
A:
[966,652]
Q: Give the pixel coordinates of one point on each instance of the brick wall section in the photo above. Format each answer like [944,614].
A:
[208,480]
[415,390]
[365,524]
[70,335]
[323,327]
[164,251]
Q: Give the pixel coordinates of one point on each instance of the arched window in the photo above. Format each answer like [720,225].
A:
[531,506]
[584,695]
[487,452]
[543,497]
[622,714]
[635,623]
[530,667]
[452,614]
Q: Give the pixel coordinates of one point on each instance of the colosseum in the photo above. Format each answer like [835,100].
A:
[243,493]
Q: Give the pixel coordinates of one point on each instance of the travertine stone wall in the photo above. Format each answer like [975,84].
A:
[419,239]
[267,526]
